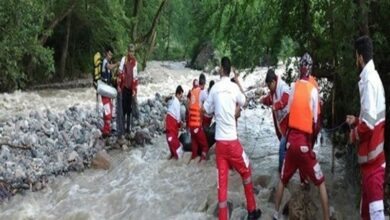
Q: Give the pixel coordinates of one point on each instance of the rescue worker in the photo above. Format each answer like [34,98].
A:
[195,117]
[302,106]
[222,101]
[173,122]
[207,119]
[306,69]
[368,131]
[195,84]
[107,68]
[277,99]
[130,84]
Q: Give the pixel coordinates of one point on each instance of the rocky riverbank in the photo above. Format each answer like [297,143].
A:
[46,144]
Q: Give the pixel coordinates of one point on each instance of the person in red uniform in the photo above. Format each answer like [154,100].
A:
[198,137]
[278,100]
[107,68]
[173,123]
[302,105]
[368,132]
[222,101]
[130,84]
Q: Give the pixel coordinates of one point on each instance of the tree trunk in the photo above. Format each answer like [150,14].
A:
[363,15]
[134,28]
[148,37]
[169,33]
[56,21]
[307,22]
[65,47]
[149,50]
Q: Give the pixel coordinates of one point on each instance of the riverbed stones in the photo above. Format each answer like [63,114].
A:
[46,143]
[301,206]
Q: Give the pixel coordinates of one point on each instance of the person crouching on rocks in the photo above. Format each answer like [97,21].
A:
[173,122]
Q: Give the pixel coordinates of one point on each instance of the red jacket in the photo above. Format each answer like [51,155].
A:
[279,100]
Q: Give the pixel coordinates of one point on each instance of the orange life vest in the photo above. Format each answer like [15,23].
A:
[301,115]
[195,117]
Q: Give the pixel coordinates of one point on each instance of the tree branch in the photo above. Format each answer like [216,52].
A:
[23,147]
[57,20]
[148,36]
[324,72]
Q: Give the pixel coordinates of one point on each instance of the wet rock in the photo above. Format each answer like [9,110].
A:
[73,156]
[150,103]
[101,161]
[143,137]
[334,215]
[67,141]
[262,181]
[229,205]
[125,147]
[5,153]
[206,53]
[5,191]
[301,206]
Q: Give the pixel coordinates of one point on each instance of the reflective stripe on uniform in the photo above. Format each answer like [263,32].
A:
[222,205]
[247,180]
[371,155]
[370,121]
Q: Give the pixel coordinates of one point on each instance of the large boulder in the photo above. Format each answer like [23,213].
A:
[206,53]
[301,206]
[5,191]
[101,161]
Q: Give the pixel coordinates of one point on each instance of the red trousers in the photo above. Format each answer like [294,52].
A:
[207,120]
[172,133]
[107,115]
[300,156]
[198,139]
[231,154]
[372,192]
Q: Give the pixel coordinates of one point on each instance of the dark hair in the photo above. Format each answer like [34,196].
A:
[108,49]
[211,84]
[225,63]
[271,76]
[179,90]
[202,79]
[363,46]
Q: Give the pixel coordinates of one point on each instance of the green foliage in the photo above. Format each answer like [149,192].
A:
[20,24]
[287,49]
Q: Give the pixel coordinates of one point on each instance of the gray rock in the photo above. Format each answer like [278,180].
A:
[5,153]
[73,156]
[143,137]
[101,161]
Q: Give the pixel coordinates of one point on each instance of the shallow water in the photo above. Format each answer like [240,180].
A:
[143,184]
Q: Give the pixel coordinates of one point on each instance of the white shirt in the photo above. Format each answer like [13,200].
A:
[174,108]
[203,96]
[372,96]
[222,101]
[122,67]
[105,67]
[122,64]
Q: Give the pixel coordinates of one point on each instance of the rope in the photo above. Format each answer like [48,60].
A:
[254,146]
[330,130]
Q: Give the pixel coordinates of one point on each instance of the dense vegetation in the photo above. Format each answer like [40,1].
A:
[54,40]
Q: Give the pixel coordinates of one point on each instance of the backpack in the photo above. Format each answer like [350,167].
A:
[97,73]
